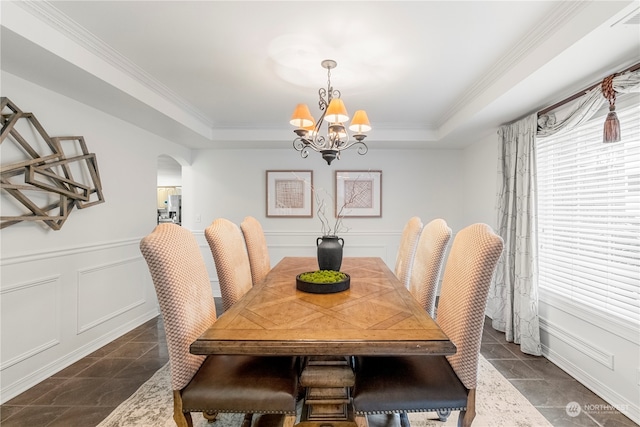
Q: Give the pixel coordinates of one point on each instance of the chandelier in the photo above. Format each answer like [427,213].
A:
[335,114]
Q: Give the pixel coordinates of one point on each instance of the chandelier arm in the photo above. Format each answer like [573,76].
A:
[361,147]
[303,144]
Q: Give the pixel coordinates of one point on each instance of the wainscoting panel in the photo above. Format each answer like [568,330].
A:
[30,319]
[106,291]
[60,305]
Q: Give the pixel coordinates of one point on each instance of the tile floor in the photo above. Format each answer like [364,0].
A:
[83,394]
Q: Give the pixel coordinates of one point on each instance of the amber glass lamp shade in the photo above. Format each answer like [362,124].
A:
[336,111]
[360,123]
[301,117]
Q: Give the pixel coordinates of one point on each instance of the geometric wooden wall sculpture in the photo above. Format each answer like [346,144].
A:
[43,178]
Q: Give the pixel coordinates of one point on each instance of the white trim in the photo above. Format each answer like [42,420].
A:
[593,316]
[55,280]
[579,344]
[629,408]
[57,252]
[113,314]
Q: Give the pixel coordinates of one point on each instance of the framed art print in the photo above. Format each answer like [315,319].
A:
[289,193]
[359,193]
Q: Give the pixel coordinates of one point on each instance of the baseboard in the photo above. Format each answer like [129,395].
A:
[617,401]
[9,392]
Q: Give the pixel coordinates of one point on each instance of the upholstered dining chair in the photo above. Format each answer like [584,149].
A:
[231,259]
[406,249]
[427,263]
[216,383]
[424,383]
[257,248]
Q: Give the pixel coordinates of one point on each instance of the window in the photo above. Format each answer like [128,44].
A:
[589,216]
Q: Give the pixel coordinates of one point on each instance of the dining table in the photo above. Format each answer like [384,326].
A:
[376,315]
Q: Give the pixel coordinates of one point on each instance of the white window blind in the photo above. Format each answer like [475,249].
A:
[589,216]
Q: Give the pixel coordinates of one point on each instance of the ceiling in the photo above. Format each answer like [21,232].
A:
[209,74]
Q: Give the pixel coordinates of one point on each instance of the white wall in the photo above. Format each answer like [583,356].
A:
[600,352]
[65,293]
[232,184]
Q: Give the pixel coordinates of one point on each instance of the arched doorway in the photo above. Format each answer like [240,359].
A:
[169,190]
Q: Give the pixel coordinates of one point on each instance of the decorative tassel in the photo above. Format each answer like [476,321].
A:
[611,124]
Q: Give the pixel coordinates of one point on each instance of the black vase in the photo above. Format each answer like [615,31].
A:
[329,252]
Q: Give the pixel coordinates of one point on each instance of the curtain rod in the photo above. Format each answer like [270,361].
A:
[579,94]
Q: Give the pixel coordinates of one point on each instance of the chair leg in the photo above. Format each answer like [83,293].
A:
[443,414]
[248,418]
[361,421]
[289,421]
[181,419]
[466,417]
[404,420]
[210,416]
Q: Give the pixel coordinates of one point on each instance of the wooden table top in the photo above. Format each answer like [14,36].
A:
[377,315]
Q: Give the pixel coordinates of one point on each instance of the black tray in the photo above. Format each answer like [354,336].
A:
[323,288]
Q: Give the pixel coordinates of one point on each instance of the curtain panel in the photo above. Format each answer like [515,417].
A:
[513,296]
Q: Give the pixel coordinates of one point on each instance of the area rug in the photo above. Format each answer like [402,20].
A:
[498,404]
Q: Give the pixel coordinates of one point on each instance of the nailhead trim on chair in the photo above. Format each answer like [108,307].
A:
[412,410]
[227,411]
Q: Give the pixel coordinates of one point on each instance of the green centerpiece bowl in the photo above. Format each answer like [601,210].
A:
[323,281]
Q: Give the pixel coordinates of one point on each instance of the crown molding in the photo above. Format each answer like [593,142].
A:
[46,12]
[556,18]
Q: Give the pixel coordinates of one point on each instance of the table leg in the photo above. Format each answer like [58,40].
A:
[328,381]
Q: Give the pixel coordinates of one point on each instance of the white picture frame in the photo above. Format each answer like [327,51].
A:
[289,193]
[358,193]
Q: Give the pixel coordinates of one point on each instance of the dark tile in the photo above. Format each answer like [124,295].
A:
[555,393]
[159,351]
[107,367]
[558,417]
[607,416]
[495,351]
[37,391]
[82,416]
[487,337]
[515,349]
[132,350]
[142,369]
[90,392]
[514,369]
[7,411]
[35,416]
[149,335]
[77,367]
[492,333]
[547,370]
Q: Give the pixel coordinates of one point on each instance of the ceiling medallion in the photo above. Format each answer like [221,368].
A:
[335,114]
